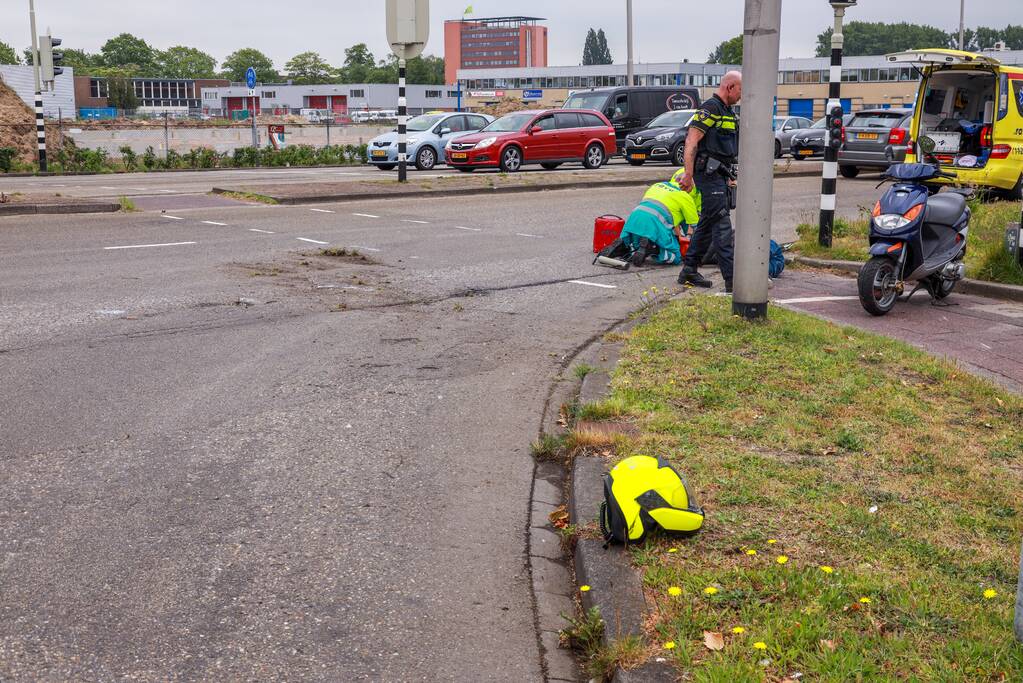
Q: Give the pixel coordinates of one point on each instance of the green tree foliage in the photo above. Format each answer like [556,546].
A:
[728,52]
[984,38]
[120,90]
[309,68]
[130,52]
[878,38]
[361,67]
[595,50]
[603,51]
[8,54]
[590,48]
[81,61]
[359,64]
[186,62]
[234,67]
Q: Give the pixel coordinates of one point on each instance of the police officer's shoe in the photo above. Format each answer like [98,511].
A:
[693,277]
[728,287]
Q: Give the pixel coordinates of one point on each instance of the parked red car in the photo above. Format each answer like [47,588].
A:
[549,138]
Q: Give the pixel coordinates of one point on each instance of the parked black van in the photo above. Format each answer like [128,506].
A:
[631,109]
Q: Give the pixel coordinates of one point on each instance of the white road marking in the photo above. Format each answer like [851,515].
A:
[409,220]
[214,223]
[365,215]
[322,210]
[985,346]
[171,191]
[592,284]
[173,218]
[265,232]
[816,299]
[111,312]
[462,227]
[138,189]
[145,246]
[106,187]
[526,234]
[306,239]
[365,248]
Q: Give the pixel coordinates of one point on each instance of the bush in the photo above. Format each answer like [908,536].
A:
[129,158]
[7,156]
[173,160]
[149,159]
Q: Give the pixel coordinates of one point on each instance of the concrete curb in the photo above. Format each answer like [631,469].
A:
[51,174]
[33,209]
[993,290]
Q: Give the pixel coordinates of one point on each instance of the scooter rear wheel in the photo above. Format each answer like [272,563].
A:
[877,285]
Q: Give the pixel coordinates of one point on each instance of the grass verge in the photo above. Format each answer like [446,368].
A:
[127,205]
[248,197]
[986,258]
[863,510]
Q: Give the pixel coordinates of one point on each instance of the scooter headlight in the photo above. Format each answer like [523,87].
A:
[894,221]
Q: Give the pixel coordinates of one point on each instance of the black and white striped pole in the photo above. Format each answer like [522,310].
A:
[402,121]
[40,119]
[833,131]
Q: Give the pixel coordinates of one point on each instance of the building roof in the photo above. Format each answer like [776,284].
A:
[499,20]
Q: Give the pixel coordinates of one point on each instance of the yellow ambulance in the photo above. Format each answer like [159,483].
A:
[971,105]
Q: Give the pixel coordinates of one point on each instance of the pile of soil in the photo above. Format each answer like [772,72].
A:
[17,124]
[507,105]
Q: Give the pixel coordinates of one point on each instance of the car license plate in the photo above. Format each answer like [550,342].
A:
[459,156]
[639,156]
[805,152]
[379,153]
[866,136]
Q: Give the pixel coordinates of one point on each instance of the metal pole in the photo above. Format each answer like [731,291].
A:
[166,135]
[829,178]
[40,119]
[962,23]
[756,158]
[402,119]
[628,22]
[328,130]
[252,117]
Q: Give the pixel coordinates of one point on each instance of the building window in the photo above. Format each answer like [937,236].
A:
[357,93]
[98,88]
[435,94]
[269,94]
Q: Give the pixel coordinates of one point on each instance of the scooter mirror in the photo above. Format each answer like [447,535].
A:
[927,144]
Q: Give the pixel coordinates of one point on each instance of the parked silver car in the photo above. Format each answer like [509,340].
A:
[427,136]
[875,138]
[784,128]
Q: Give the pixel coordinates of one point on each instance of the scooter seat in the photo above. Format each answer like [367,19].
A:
[945,208]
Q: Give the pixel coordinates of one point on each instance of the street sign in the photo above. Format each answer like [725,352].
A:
[250,78]
[408,27]
[532,94]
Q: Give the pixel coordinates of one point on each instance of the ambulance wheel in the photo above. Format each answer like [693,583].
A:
[551,165]
[849,171]
[595,157]
[511,159]
[426,158]
[636,162]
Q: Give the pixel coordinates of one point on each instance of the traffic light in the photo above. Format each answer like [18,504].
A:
[836,131]
[49,59]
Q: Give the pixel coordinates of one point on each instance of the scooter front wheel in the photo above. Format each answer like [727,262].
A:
[878,285]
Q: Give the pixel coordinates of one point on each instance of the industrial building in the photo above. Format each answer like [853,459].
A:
[493,43]
[59,102]
[341,99]
[155,96]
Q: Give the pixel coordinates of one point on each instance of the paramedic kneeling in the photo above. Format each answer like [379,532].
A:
[655,227]
[712,147]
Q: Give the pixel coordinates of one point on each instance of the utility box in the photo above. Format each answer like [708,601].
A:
[1014,242]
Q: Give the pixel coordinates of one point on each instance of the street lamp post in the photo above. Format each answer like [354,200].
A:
[40,119]
[962,24]
[630,67]
[829,180]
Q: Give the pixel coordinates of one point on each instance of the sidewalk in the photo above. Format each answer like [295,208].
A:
[984,335]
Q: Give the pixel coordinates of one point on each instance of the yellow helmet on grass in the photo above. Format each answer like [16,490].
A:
[642,493]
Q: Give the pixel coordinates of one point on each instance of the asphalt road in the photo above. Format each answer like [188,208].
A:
[227,456]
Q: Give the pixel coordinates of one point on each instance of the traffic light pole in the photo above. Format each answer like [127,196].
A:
[40,120]
[402,121]
[829,179]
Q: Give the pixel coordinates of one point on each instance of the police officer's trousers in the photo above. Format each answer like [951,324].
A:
[715,225]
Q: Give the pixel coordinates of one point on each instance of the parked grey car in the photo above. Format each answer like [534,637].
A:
[810,142]
[875,138]
[784,128]
[427,136]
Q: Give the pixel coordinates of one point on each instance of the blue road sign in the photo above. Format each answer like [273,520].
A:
[250,77]
[532,94]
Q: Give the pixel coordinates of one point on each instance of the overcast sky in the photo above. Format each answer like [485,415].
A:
[666,30]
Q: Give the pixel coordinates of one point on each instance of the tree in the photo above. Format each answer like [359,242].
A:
[8,54]
[186,62]
[590,48]
[728,52]
[239,61]
[81,61]
[603,51]
[877,38]
[359,65]
[121,91]
[984,38]
[309,67]
[128,51]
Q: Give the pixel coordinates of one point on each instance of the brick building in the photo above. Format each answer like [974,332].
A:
[496,43]
[155,95]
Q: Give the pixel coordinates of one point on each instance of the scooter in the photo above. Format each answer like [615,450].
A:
[915,236]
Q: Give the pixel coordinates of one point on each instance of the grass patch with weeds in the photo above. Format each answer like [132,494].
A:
[127,205]
[249,197]
[986,258]
[863,509]
[582,369]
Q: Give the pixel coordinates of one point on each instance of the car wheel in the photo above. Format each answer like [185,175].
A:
[551,165]
[594,156]
[849,171]
[511,159]
[426,158]
[636,162]
[777,149]
[679,155]
[386,167]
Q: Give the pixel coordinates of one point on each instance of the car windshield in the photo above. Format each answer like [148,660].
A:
[778,122]
[511,122]
[424,122]
[587,100]
[821,123]
[673,119]
[876,120]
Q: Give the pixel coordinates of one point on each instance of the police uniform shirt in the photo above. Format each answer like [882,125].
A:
[717,121]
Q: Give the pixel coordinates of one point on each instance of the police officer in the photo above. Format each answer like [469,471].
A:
[712,148]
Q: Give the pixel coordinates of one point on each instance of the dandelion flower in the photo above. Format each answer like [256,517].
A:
[760,645]
[772,541]
[826,569]
[738,629]
[646,293]
[751,552]
[584,588]
[990,593]
[865,601]
[710,590]
[674,590]
[782,559]
[670,645]
[672,550]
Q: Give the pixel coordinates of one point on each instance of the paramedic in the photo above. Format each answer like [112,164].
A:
[656,227]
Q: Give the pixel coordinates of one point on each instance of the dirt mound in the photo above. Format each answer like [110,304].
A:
[507,105]
[17,124]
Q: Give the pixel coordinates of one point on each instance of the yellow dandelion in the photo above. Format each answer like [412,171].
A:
[865,601]
[672,550]
[781,559]
[584,588]
[772,541]
[645,293]
[990,593]
[760,645]
[710,590]
[670,645]
[751,551]
[675,590]
[826,569]
[738,629]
